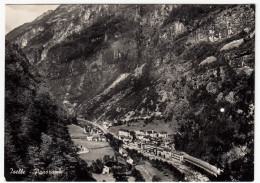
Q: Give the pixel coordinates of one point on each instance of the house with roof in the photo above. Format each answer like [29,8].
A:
[146,139]
[151,133]
[106,170]
[89,138]
[148,133]
[129,160]
[177,155]
[123,152]
[166,153]
[109,125]
[139,137]
[163,135]
[95,138]
[125,135]
[123,132]
[103,138]
[139,132]
[126,139]
[159,151]
[150,148]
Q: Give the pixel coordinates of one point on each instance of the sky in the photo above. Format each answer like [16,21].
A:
[16,15]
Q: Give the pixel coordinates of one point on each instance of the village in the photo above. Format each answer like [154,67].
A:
[94,134]
[151,142]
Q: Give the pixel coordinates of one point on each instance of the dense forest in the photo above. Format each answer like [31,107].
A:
[224,129]
[37,141]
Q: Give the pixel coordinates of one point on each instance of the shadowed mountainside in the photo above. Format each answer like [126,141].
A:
[36,135]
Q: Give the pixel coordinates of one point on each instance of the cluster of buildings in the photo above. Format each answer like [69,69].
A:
[154,143]
[94,134]
[124,153]
[150,136]
[107,124]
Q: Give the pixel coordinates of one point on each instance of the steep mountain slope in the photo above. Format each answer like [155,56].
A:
[85,49]
[179,64]
[36,136]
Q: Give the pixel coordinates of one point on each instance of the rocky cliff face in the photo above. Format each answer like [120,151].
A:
[82,50]
[131,62]
[94,56]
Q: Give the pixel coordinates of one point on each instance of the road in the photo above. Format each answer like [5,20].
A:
[106,131]
[191,175]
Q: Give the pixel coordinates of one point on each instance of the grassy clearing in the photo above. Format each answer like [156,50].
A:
[147,169]
[102,178]
[90,144]
[95,154]
[75,131]
[103,148]
[140,125]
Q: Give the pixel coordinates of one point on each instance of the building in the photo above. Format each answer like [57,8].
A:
[90,138]
[125,135]
[106,170]
[123,132]
[146,139]
[103,138]
[166,153]
[148,133]
[94,131]
[123,152]
[130,160]
[159,151]
[151,133]
[139,133]
[177,155]
[126,139]
[105,123]
[150,148]
[85,131]
[163,135]
[139,137]
[95,139]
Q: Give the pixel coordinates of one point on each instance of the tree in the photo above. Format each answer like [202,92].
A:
[137,175]
[97,166]
[156,179]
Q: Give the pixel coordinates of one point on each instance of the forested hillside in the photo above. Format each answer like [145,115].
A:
[36,135]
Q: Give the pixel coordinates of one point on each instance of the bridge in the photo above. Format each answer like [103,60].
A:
[186,158]
[202,164]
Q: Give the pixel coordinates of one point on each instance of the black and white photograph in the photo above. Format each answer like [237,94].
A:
[129,92]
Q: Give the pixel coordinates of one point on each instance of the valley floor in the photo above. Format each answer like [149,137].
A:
[100,149]
[97,149]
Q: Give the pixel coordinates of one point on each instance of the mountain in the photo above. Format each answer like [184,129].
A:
[36,134]
[191,66]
